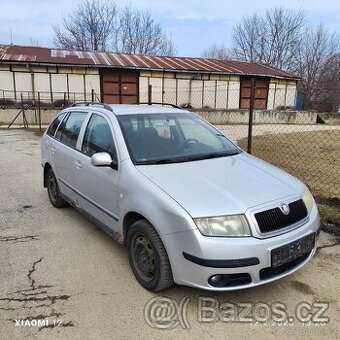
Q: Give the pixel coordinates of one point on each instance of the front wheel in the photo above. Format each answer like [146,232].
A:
[148,258]
[53,191]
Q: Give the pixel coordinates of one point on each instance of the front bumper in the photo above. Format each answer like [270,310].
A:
[238,254]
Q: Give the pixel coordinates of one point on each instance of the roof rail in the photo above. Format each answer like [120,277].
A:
[163,104]
[106,106]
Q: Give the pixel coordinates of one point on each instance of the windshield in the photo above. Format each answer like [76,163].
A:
[172,138]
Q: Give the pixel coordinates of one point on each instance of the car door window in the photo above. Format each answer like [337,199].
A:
[53,127]
[69,129]
[98,137]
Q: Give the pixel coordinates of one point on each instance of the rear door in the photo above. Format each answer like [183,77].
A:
[63,151]
[98,186]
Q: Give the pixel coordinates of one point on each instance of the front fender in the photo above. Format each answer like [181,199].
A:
[140,195]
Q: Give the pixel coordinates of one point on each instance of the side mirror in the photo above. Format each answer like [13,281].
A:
[103,159]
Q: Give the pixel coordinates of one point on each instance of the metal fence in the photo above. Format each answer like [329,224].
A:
[264,124]
[269,127]
[44,99]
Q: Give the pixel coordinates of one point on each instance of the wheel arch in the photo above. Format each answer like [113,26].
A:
[129,219]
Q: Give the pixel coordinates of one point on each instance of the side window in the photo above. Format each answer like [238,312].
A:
[53,127]
[69,129]
[98,137]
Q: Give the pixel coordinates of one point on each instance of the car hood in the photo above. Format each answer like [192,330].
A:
[222,186]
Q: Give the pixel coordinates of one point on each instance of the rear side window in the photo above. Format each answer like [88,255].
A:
[69,129]
[98,137]
[53,127]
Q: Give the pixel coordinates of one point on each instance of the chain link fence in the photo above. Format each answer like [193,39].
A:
[263,120]
[265,123]
[44,99]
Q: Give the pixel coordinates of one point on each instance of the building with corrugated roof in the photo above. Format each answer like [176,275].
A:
[57,74]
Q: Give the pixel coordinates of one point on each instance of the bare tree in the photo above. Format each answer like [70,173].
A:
[98,25]
[281,39]
[89,27]
[139,33]
[329,85]
[273,38]
[217,52]
[316,62]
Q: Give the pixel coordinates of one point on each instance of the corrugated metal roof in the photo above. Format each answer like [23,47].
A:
[44,55]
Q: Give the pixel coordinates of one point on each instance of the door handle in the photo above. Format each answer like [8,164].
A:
[78,164]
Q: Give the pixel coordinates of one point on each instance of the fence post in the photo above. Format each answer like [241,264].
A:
[92,95]
[251,114]
[22,108]
[39,112]
[51,97]
[64,100]
[150,94]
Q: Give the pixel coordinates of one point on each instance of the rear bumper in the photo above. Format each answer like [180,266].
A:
[196,258]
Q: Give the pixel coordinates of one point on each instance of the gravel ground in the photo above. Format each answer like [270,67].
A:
[57,267]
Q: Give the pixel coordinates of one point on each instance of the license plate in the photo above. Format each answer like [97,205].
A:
[292,251]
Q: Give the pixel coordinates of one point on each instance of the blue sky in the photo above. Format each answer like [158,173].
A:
[193,25]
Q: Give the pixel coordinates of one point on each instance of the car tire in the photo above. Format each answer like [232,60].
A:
[53,191]
[148,258]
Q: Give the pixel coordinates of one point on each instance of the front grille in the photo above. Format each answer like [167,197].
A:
[269,272]
[275,219]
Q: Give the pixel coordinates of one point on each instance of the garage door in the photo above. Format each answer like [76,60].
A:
[261,93]
[119,86]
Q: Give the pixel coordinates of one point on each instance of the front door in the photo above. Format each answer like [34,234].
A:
[98,186]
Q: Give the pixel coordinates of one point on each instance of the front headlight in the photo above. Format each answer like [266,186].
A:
[229,226]
[308,199]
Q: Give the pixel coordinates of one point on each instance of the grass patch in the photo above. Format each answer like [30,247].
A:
[329,210]
[330,213]
[314,158]
[311,156]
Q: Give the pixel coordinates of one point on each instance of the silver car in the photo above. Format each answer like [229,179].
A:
[190,206]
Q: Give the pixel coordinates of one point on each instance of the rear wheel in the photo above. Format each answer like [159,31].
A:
[53,191]
[148,258]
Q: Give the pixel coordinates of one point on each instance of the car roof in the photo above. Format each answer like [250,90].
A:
[128,109]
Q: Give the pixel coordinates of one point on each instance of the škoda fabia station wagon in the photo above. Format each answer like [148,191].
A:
[190,206]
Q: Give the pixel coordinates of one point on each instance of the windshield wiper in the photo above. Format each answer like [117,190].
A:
[187,158]
[220,154]
[157,161]
[169,160]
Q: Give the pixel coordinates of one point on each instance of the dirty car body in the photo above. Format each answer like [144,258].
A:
[183,198]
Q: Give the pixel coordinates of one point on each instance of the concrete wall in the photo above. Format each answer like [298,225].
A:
[209,90]
[51,82]
[217,117]
[198,90]
[282,93]
[260,116]
[7,115]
